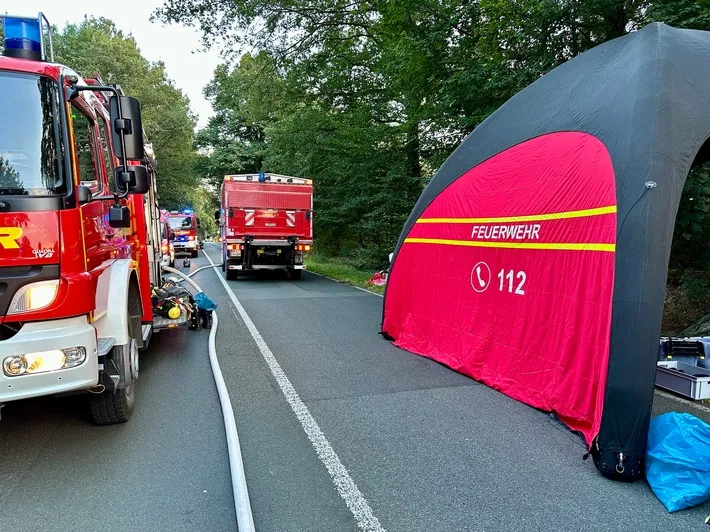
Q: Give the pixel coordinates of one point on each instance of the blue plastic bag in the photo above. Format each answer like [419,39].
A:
[204,302]
[678,460]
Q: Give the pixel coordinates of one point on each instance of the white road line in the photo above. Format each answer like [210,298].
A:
[687,402]
[352,286]
[342,480]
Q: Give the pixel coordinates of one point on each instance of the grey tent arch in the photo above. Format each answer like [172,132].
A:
[536,258]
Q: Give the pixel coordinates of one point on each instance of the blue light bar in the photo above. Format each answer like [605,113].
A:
[22,38]
[262,177]
[187,211]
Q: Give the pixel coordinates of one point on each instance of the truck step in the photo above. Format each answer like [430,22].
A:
[105,345]
[146,330]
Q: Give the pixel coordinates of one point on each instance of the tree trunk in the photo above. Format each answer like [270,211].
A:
[618,20]
[411,150]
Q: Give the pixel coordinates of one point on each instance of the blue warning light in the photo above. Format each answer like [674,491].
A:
[22,37]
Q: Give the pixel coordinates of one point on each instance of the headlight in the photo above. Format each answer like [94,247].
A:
[43,361]
[34,296]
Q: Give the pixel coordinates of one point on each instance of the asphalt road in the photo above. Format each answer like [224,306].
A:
[166,469]
[429,449]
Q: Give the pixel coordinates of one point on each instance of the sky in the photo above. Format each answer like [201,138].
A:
[178,47]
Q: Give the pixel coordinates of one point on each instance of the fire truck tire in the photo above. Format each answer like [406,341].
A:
[193,253]
[111,408]
[295,275]
[232,275]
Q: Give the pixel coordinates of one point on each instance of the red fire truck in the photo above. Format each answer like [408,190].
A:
[79,230]
[183,226]
[266,223]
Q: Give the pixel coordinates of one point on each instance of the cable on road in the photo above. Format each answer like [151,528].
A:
[242,506]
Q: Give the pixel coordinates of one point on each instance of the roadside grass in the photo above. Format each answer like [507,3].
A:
[342,272]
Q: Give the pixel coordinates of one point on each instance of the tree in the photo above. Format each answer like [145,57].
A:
[9,176]
[369,97]
[243,98]
[97,46]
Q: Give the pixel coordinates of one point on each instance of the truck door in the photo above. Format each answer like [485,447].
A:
[93,165]
[89,174]
[115,238]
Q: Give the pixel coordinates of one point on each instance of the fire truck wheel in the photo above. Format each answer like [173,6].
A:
[110,408]
[194,253]
[232,275]
[295,275]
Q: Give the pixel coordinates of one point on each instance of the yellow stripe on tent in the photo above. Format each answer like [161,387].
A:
[530,218]
[565,246]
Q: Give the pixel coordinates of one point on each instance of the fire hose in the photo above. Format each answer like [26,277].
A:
[242,506]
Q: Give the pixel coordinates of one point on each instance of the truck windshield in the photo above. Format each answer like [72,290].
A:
[180,222]
[30,156]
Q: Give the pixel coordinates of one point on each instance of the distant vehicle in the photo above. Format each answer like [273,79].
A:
[266,223]
[184,228]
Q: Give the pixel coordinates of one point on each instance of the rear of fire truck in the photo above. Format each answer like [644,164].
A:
[78,230]
[266,223]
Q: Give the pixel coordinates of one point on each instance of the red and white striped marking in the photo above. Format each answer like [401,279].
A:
[291,218]
[248,217]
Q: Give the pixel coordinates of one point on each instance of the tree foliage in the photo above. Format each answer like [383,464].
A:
[96,45]
[368,97]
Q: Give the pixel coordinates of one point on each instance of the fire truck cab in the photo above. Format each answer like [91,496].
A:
[183,226]
[79,230]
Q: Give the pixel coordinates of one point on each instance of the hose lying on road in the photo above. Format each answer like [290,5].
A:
[245,520]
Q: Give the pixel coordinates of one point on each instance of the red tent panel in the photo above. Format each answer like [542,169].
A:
[508,274]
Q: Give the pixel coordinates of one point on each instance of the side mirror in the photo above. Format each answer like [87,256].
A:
[171,235]
[83,194]
[217,215]
[135,177]
[128,121]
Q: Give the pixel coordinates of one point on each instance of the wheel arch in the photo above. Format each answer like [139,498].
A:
[123,295]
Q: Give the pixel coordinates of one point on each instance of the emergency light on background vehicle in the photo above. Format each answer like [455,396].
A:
[23,37]
[187,211]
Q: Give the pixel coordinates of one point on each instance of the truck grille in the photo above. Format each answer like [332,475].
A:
[14,271]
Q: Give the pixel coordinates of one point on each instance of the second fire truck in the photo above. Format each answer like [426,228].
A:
[183,229]
[266,223]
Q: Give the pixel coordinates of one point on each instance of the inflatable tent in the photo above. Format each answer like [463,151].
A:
[535,260]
